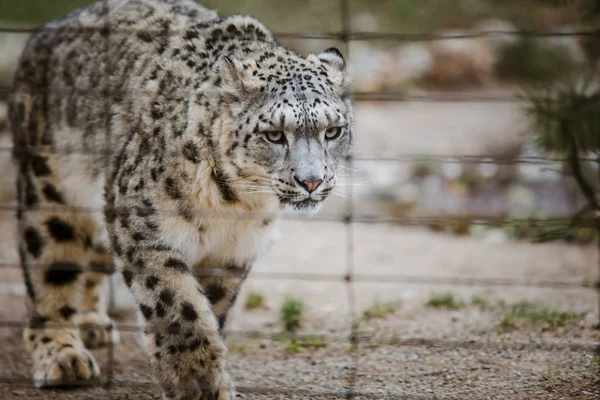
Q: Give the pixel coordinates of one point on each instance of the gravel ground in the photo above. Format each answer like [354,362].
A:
[414,352]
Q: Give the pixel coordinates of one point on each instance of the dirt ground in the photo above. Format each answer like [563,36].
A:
[416,351]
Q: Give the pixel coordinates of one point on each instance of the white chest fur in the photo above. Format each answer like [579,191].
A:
[230,239]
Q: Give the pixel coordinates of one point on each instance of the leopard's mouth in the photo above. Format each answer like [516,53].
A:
[307,205]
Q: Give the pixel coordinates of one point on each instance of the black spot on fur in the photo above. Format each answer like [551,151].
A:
[160,310]
[172,189]
[146,311]
[31,198]
[87,241]
[139,265]
[191,34]
[221,320]
[40,166]
[166,296]
[52,194]
[176,264]
[158,339]
[138,236]
[128,277]
[34,241]
[60,230]
[38,322]
[144,37]
[67,311]
[221,181]
[174,328]
[46,339]
[188,313]
[194,344]
[191,152]
[110,213]
[61,273]
[129,254]
[151,282]
[215,292]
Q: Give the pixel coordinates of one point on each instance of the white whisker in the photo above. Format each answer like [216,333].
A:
[345,194]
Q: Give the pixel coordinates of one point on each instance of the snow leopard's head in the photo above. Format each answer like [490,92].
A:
[289,124]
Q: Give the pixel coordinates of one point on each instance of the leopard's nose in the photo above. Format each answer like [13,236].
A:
[309,185]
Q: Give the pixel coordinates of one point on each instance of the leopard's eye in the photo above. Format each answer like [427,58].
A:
[333,133]
[276,137]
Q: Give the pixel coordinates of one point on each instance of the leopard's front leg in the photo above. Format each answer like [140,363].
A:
[180,332]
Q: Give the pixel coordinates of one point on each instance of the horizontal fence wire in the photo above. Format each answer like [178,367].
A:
[356,217]
[371,340]
[392,279]
[395,97]
[338,36]
[349,217]
[496,159]
[396,158]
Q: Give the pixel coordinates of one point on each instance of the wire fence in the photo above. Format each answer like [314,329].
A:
[349,217]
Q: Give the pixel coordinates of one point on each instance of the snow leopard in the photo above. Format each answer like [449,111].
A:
[160,140]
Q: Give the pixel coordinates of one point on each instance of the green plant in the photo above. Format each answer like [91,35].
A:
[530,60]
[564,122]
[291,314]
[381,310]
[444,301]
[254,301]
[240,348]
[528,312]
[297,344]
[479,301]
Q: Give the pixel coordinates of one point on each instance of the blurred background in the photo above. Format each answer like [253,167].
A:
[463,91]
[470,220]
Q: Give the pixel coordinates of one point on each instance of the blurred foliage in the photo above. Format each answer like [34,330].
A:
[301,343]
[420,15]
[566,113]
[479,301]
[447,301]
[255,301]
[292,313]
[381,310]
[38,11]
[530,60]
[525,312]
[324,15]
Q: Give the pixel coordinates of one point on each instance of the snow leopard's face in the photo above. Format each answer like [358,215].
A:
[295,126]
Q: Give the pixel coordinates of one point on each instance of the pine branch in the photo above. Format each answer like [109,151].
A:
[575,166]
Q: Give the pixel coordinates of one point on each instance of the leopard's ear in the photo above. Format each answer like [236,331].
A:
[333,57]
[231,71]
[238,77]
[334,62]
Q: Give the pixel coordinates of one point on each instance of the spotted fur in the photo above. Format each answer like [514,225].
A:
[192,133]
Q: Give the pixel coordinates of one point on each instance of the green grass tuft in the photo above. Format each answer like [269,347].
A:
[381,310]
[292,314]
[527,312]
[479,301]
[298,344]
[444,301]
[254,301]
